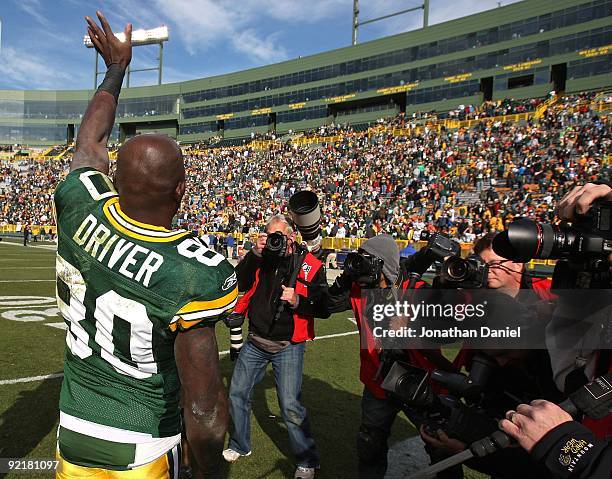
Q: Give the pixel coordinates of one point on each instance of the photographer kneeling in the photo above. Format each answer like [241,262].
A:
[379,262]
[283,284]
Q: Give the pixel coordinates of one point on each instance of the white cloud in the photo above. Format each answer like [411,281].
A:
[264,50]
[34,9]
[204,25]
[21,69]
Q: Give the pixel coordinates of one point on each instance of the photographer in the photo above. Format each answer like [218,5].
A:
[281,318]
[523,374]
[579,363]
[566,447]
[378,411]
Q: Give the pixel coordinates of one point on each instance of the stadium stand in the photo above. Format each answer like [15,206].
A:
[398,176]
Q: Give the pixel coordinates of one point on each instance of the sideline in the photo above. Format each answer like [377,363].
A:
[48,247]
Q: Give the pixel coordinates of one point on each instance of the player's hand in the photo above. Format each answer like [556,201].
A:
[529,424]
[580,199]
[442,442]
[260,244]
[289,296]
[112,50]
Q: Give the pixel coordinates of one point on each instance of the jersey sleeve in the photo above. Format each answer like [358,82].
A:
[218,299]
[82,186]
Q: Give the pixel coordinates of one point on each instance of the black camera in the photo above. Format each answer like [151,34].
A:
[459,413]
[470,272]
[364,268]
[582,248]
[438,247]
[276,245]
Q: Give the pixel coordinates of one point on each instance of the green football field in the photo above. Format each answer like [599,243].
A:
[32,344]
[31,362]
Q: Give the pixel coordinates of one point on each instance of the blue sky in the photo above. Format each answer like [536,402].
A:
[42,40]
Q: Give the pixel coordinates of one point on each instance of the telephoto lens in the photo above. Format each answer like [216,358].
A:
[306,214]
[236,342]
[526,240]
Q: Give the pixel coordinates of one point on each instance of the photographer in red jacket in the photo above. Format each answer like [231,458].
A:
[282,284]
[378,411]
[524,374]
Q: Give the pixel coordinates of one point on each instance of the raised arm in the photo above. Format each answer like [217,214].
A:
[203,398]
[100,114]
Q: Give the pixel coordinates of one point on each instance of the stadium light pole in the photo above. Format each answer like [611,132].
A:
[154,36]
[356,23]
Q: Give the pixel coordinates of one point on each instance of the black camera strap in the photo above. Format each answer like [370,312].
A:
[296,265]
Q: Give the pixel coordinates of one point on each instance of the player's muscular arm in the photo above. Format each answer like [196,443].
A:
[204,398]
[100,114]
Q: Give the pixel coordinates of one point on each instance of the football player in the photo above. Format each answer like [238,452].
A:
[140,300]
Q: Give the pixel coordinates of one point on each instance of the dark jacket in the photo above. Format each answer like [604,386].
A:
[264,303]
[572,451]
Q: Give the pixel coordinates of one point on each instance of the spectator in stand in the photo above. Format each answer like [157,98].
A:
[231,243]
[377,182]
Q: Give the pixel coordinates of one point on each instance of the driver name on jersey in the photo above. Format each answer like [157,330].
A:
[125,289]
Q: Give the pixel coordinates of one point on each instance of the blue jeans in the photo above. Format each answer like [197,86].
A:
[287,366]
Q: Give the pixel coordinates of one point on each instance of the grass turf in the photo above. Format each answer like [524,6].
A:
[29,410]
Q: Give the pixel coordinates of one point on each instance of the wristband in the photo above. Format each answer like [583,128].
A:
[113,80]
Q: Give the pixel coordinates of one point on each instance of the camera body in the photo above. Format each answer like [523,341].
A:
[438,247]
[363,268]
[581,248]
[470,272]
[276,245]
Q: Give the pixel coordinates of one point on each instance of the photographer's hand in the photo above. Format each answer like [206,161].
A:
[290,296]
[529,424]
[260,244]
[580,199]
[443,442]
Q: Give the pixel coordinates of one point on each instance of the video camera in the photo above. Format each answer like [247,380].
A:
[582,248]
[459,413]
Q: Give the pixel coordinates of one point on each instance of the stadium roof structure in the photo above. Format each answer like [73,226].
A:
[521,50]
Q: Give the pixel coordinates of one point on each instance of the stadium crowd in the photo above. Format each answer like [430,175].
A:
[461,182]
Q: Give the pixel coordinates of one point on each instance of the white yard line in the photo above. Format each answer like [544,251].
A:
[31,378]
[221,354]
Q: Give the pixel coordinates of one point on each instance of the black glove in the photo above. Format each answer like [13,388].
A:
[234,320]
[342,284]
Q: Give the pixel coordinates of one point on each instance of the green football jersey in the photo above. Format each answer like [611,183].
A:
[125,290]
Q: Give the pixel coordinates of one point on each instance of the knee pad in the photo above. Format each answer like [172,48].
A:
[371,445]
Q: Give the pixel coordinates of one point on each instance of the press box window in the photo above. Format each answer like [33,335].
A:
[520,81]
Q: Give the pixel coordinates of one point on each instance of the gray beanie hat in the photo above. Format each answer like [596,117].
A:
[385,248]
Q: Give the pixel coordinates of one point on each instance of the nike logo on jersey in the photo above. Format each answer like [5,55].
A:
[136,262]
